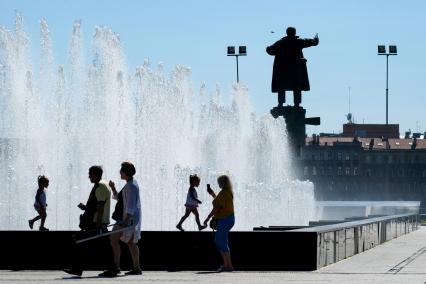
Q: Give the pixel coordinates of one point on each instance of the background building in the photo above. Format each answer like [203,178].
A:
[355,168]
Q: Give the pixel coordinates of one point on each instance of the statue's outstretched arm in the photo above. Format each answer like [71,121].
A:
[307,42]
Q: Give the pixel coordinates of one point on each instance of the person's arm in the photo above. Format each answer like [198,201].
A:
[100,212]
[81,206]
[113,189]
[212,213]
[210,191]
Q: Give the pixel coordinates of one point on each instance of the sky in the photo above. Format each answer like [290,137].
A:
[196,33]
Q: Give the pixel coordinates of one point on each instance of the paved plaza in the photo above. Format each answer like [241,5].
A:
[402,260]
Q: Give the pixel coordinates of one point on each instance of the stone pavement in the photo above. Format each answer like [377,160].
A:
[402,260]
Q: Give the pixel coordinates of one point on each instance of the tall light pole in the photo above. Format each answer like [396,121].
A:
[242,51]
[381,50]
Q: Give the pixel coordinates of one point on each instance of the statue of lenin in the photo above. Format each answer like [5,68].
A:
[290,72]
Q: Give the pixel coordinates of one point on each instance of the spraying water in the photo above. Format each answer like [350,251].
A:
[60,120]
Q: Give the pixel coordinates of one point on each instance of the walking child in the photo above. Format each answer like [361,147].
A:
[191,204]
[40,203]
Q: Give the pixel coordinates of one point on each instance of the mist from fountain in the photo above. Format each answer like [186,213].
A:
[60,120]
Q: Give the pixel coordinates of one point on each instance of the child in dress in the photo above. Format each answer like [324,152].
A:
[191,204]
[40,203]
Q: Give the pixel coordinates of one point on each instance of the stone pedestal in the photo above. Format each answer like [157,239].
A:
[296,124]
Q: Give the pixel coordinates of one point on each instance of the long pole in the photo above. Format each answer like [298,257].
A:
[387,89]
[238,78]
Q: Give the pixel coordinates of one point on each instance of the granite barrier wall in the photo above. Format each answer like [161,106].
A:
[267,250]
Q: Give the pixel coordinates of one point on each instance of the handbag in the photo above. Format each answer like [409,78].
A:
[213,224]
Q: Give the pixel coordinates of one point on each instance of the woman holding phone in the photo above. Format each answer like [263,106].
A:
[223,212]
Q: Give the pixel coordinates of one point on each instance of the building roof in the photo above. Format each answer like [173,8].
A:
[379,143]
[371,130]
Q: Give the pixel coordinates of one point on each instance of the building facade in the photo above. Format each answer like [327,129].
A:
[360,169]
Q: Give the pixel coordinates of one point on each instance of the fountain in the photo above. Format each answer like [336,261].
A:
[60,120]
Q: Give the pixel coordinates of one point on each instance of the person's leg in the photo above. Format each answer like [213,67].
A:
[227,257]
[224,259]
[187,212]
[114,241]
[43,217]
[297,97]
[227,225]
[281,98]
[197,219]
[134,251]
[78,253]
[116,249]
[219,239]
[31,221]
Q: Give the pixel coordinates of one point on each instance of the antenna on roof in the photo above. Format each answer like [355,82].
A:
[349,115]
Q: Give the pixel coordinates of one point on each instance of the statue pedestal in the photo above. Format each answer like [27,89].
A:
[296,121]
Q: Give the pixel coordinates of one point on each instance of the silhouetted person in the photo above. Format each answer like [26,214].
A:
[93,221]
[40,203]
[290,73]
[223,214]
[191,203]
[128,214]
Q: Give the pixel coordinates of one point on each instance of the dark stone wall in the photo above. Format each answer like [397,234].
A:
[170,251]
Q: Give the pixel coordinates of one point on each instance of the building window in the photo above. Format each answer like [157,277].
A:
[390,159]
[339,171]
[368,158]
[424,173]
[325,155]
[348,171]
[356,171]
[305,171]
[368,172]
[347,157]
[314,171]
[400,172]
[330,171]
[339,156]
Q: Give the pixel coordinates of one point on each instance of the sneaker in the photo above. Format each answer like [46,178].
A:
[31,224]
[110,273]
[134,272]
[73,271]
[225,269]
[179,227]
[43,229]
[200,228]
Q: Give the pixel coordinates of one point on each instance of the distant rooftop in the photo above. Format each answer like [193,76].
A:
[379,143]
[370,130]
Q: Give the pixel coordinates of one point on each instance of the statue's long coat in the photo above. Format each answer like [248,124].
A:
[290,71]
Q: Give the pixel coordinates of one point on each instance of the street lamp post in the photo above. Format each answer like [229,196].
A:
[242,51]
[381,50]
